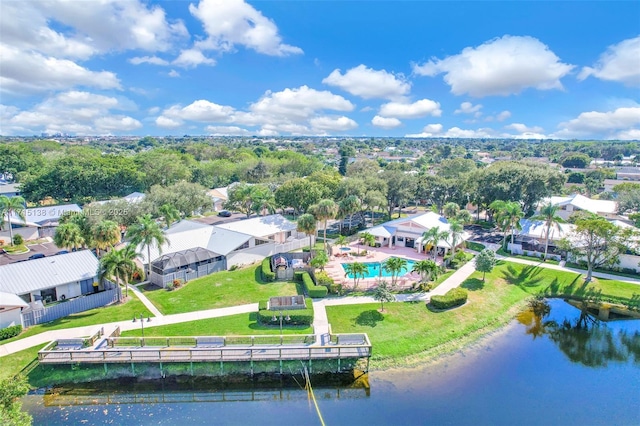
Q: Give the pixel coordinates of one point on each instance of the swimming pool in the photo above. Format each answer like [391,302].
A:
[375,269]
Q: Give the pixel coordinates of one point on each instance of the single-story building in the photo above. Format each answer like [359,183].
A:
[51,278]
[237,243]
[219,197]
[45,219]
[408,231]
[9,189]
[570,205]
[134,197]
[11,307]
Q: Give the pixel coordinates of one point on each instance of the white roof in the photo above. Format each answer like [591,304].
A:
[38,274]
[10,299]
[261,226]
[134,197]
[189,234]
[37,216]
[537,229]
[584,203]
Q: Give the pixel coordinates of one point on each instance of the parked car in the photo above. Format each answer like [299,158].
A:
[224,213]
[37,256]
[63,252]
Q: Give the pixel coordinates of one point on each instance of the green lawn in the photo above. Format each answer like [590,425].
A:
[17,249]
[219,290]
[407,333]
[233,325]
[119,312]
[14,363]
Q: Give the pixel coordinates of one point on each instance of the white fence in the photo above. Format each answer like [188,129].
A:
[71,306]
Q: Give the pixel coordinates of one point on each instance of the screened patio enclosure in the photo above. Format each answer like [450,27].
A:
[185,265]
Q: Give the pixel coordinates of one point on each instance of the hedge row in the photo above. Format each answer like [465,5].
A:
[267,274]
[314,291]
[296,317]
[455,297]
[9,332]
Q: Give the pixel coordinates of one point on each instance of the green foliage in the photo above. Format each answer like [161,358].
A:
[298,193]
[314,291]
[186,197]
[382,293]
[455,297]
[262,305]
[9,332]
[576,160]
[485,261]
[18,240]
[11,390]
[297,275]
[267,274]
[296,316]
[322,278]
[576,177]
[319,260]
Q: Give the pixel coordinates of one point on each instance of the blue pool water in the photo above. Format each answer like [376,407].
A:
[373,269]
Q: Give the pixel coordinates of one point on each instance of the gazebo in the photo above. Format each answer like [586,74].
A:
[185,265]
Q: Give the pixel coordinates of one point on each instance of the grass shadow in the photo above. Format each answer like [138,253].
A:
[257,275]
[369,318]
[473,284]
[526,277]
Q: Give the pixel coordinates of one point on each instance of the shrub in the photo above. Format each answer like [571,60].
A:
[322,278]
[267,274]
[234,267]
[314,291]
[454,297]
[335,288]
[1,243]
[297,276]
[262,305]
[296,317]
[177,283]
[9,332]
[170,286]
[18,240]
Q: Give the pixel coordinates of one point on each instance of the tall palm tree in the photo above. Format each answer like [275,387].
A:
[455,234]
[508,215]
[83,223]
[263,200]
[368,239]
[357,270]
[426,268]
[450,210]
[169,213]
[464,217]
[9,206]
[348,207]
[106,234]
[146,232]
[119,264]
[69,235]
[307,224]
[549,214]
[433,237]
[395,265]
[325,209]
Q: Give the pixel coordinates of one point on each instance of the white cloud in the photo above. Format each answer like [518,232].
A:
[385,123]
[154,60]
[227,131]
[369,83]
[33,72]
[503,116]
[522,128]
[502,66]
[417,109]
[190,58]
[435,130]
[430,130]
[201,111]
[333,124]
[631,134]
[173,73]
[168,123]
[469,108]
[234,22]
[74,112]
[609,125]
[621,62]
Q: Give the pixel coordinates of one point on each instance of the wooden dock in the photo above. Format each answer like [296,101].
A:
[223,349]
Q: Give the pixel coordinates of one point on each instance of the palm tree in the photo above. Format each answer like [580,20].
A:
[464,217]
[455,234]
[106,234]
[146,232]
[9,206]
[548,213]
[395,265]
[368,239]
[357,270]
[319,260]
[508,215]
[83,223]
[426,268]
[263,200]
[169,213]
[450,210]
[307,224]
[119,264]
[341,241]
[69,235]
[325,209]
[348,207]
[433,237]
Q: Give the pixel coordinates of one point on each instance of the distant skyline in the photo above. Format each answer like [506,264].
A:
[476,69]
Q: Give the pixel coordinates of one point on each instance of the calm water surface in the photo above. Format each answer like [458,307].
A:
[553,368]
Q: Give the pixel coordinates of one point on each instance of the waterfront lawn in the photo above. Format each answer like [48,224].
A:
[113,313]
[233,325]
[407,333]
[220,290]
[14,363]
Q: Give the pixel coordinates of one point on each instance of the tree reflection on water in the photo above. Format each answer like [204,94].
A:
[582,338]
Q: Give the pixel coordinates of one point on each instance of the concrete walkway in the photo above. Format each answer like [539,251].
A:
[146,302]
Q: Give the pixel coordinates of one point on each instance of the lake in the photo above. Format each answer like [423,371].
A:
[551,365]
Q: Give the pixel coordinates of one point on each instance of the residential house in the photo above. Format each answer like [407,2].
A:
[574,203]
[9,189]
[408,231]
[221,246]
[40,221]
[11,307]
[219,197]
[134,197]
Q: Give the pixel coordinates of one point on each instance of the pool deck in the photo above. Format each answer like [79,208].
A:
[334,267]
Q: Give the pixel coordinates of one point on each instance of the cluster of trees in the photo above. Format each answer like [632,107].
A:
[10,206]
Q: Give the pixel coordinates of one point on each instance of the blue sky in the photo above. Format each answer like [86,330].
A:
[362,68]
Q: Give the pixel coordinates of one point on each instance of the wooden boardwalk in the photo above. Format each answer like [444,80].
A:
[205,349]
